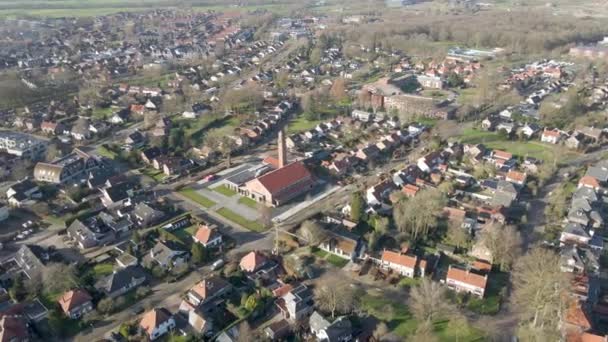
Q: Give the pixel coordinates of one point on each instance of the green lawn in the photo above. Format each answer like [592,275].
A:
[236,218]
[397,317]
[336,260]
[409,282]
[329,257]
[531,148]
[301,124]
[101,270]
[155,174]
[490,304]
[224,190]
[319,253]
[185,235]
[104,152]
[196,197]
[248,202]
[102,113]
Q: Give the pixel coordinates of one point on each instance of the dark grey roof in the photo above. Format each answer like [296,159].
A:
[120,279]
[575,229]
[600,173]
[339,330]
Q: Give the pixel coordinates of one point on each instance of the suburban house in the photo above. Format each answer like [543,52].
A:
[516,177]
[90,232]
[76,303]
[551,136]
[340,330]
[145,215]
[406,265]
[69,168]
[168,254]
[343,245]
[23,192]
[121,281]
[589,182]
[156,323]
[379,193]
[281,185]
[252,262]
[13,328]
[468,281]
[208,237]
[575,233]
[297,304]
[208,289]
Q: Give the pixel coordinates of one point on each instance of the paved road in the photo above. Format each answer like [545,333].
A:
[505,323]
[166,295]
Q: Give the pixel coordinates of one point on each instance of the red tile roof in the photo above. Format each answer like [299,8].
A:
[252,261]
[467,277]
[399,259]
[516,176]
[277,180]
[589,181]
[551,133]
[482,265]
[153,319]
[502,155]
[73,299]
[575,315]
[410,190]
[205,234]
[272,161]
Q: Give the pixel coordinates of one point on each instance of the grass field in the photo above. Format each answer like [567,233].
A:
[398,318]
[224,190]
[238,219]
[157,175]
[196,197]
[300,124]
[331,258]
[91,8]
[185,235]
[248,202]
[104,269]
[104,152]
[531,148]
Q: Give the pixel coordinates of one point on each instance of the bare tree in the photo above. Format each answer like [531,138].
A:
[504,242]
[428,301]
[424,332]
[416,217]
[58,278]
[265,215]
[333,295]
[457,235]
[312,232]
[539,287]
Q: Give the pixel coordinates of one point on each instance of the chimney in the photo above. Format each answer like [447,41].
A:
[282,149]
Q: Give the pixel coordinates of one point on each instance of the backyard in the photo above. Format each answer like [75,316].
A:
[301,124]
[398,318]
[525,148]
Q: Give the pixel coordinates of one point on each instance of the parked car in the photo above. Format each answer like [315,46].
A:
[217,264]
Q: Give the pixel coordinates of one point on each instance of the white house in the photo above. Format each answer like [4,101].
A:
[403,264]
[552,136]
[466,281]
[157,322]
[208,237]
